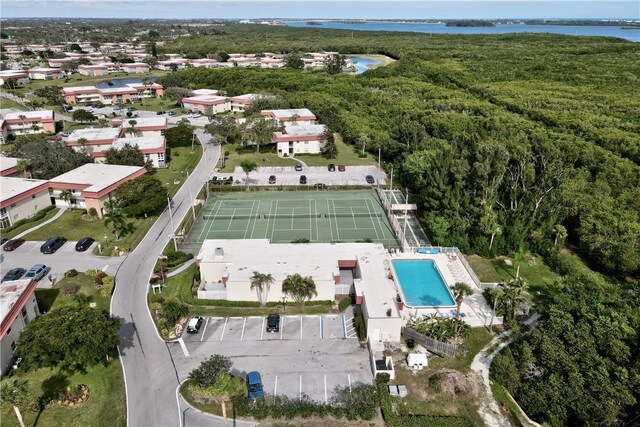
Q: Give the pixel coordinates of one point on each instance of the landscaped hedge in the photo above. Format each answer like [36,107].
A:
[37,217]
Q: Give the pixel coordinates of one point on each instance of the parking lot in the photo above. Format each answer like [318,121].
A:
[311,354]
[285,175]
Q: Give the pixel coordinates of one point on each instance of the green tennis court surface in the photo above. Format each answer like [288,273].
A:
[319,216]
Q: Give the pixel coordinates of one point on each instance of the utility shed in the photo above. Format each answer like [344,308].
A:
[417,361]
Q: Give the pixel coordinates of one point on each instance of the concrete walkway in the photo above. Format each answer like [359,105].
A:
[182,268]
[489,409]
[53,218]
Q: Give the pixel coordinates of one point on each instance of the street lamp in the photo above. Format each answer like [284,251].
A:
[284,303]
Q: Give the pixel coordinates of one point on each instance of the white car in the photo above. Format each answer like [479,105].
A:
[196,115]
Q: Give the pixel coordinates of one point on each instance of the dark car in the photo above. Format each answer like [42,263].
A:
[298,167]
[3,240]
[52,245]
[331,167]
[272,179]
[14,274]
[370,179]
[13,244]
[159,113]
[342,168]
[84,244]
[36,272]
[67,107]
[273,323]
[254,385]
[194,324]
[303,179]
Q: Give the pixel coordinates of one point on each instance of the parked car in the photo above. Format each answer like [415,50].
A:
[197,115]
[273,323]
[331,167]
[254,385]
[303,179]
[84,244]
[370,179]
[132,109]
[342,168]
[14,274]
[13,244]
[171,113]
[67,107]
[298,167]
[116,108]
[52,245]
[159,113]
[36,272]
[272,179]
[194,324]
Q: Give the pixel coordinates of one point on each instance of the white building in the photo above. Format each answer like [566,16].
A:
[45,73]
[18,307]
[153,148]
[226,267]
[25,123]
[242,102]
[206,104]
[19,77]
[21,198]
[296,116]
[300,139]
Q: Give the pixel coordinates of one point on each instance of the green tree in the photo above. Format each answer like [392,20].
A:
[248,166]
[41,154]
[180,135]
[129,200]
[53,94]
[515,295]
[68,197]
[132,127]
[83,116]
[173,310]
[224,130]
[260,131]
[127,155]
[460,290]
[261,283]
[294,61]
[210,371]
[299,288]
[334,64]
[177,93]
[15,392]
[116,220]
[329,149]
[71,338]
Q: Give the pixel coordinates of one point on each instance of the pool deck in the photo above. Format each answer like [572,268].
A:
[476,311]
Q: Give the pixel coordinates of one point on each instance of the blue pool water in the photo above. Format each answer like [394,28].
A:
[362,64]
[422,284]
[120,82]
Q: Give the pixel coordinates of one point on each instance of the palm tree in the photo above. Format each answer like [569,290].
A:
[67,196]
[261,132]
[23,166]
[497,295]
[132,127]
[248,166]
[299,288]
[117,220]
[294,118]
[103,123]
[560,232]
[15,392]
[262,284]
[23,119]
[460,291]
[515,295]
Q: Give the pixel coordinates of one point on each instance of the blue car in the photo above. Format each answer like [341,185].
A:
[254,386]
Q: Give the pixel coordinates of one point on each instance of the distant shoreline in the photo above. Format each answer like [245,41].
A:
[626,23]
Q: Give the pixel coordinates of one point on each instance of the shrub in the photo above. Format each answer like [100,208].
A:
[108,285]
[92,273]
[173,310]
[435,382]
[345,303]
[69,288]
[358,323]
[71,273]
[383,378]
[175,258]
[93,213]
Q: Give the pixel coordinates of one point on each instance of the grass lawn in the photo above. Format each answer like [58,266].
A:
[532,268]
[105,407]
[511,410]
[87,287]
[9,103]
[210,408]
[181,160]
[6,147]
[261,159]
[18,230]
[475,341]
[71,126]
[72,226]
[347,155]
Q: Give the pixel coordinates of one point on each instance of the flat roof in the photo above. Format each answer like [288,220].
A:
[41,114]
[97,176]
[45,70]
[142,122]
[303,130]
[318,260]
[117,90]
[93,134]
[11,187]
[205,91]
[13,296]
[205,98]
[142,142]
[72,89]
[250,96]
[285,114]
[7,163]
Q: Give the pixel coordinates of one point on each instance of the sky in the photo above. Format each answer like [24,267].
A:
[358,9]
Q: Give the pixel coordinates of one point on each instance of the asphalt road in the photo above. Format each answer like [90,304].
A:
[151,378]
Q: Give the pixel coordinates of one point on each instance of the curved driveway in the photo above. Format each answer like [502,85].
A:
[150,376]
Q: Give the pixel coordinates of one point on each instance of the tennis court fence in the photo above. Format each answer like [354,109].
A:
[295,215]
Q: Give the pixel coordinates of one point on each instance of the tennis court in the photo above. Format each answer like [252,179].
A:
[319,216]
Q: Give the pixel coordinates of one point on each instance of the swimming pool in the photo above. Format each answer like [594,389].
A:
[421,283]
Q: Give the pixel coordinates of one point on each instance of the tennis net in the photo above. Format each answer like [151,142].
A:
[214,216]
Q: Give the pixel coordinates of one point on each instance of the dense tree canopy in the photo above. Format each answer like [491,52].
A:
[72,338]
[128,155]
[142,196]
[47,159]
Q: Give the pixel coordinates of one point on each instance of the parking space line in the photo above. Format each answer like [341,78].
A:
[275,389]
[184,347]
[224,327]
[349,375]
[344,327]
[262,330]
[205,329]
[300,386]
[243,325]
[281,328]
[325,388]
[321,333]
[300,327]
